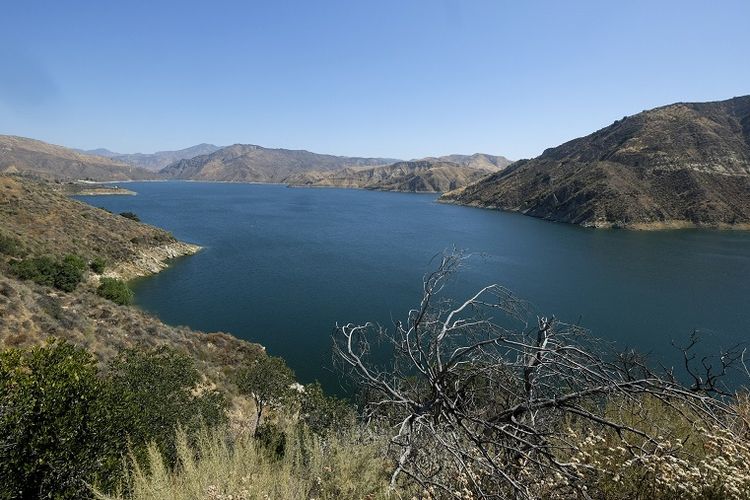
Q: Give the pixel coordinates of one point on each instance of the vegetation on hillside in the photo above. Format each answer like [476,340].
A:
[39,220]
[130,215]
[62,273]
[115,290]
[467,407]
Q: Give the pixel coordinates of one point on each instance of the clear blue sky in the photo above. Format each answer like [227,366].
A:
[383,78]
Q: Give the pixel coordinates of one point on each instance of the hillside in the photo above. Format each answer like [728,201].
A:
[155,161]
[19,155]
[431,176]
[42,221]
[249,163]
[681,165]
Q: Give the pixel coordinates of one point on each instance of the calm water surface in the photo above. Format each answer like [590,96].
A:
[281,266]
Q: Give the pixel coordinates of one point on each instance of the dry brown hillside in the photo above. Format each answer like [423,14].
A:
[47,222]
[686,164]
[424,176]
[19,155]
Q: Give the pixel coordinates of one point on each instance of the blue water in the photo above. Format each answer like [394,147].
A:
[281,266]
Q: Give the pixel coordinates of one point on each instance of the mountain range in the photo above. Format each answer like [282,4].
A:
[154,161]
[681,165]
[426,175]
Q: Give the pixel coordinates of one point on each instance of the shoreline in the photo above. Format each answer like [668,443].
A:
[666,225]
[147,262]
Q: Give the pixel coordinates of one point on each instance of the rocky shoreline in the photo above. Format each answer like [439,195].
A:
[150,261]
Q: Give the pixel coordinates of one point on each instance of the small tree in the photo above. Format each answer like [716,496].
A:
[267,380]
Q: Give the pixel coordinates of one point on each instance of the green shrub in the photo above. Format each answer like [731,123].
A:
[115,290]
[153,391]
[272,438]
[51,424]
[11,246]
[69,273]
[40,270]
[65,426]
[98,265]
[64,274]
[131,216]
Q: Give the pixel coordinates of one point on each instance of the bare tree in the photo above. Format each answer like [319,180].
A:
[480,396]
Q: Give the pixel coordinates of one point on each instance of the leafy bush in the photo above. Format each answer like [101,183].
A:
[69,273]
[153,391]
[115,290]
[11,246]
[64,426]
[97,265]
[64,274]
[131,216]
[272,438]
[50,423]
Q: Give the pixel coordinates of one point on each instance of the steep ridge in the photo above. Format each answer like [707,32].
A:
[681,165]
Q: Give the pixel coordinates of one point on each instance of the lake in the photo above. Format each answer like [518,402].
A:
[281,266]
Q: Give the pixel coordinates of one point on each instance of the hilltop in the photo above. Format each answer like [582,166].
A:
[429,175]
[681,165]
[155,161]
[19,155]
[250,163]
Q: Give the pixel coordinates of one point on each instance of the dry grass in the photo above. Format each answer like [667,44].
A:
[221,468]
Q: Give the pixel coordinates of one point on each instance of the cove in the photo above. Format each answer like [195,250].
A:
[281,266]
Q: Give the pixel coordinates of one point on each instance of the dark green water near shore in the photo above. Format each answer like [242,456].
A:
[281,266]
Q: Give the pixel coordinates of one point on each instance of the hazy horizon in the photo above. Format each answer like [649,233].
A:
[380,80]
